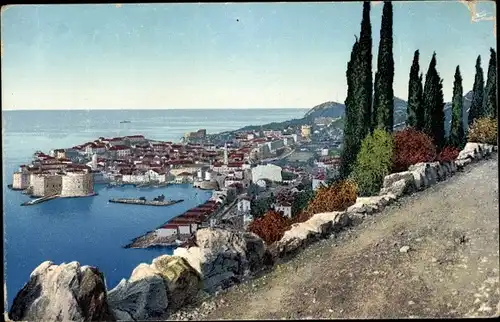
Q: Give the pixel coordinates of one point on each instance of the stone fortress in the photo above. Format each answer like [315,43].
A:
[76,183]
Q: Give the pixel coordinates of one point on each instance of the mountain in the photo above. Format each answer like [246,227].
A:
[327,109]
[334,110]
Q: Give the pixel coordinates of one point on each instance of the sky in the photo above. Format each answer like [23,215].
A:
[240,55]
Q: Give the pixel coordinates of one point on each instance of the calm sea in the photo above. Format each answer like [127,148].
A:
[89,230]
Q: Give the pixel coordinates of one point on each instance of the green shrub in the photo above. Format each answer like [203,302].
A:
[373,162]
[483,130]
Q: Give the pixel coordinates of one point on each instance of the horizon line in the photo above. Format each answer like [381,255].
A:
[157,109]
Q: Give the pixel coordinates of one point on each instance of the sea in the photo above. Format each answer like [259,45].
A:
[91,230]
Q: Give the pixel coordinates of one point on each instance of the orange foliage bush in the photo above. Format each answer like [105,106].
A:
[448,154]
[270,227]
[484,130]
[411,147]
[337,197]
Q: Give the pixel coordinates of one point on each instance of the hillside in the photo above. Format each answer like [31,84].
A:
[327,109]
[335,109]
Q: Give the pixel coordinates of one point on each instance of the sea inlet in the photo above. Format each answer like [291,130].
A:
[89,230]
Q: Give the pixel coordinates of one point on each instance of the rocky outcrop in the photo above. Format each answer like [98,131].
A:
[141,297]
[183,282]
[301,234]
[398,183]
[168,283]
[66,292]
[224,257]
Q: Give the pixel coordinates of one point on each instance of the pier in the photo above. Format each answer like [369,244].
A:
[133,201]
[39,200]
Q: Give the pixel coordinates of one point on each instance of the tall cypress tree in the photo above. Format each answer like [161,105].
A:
[457,135]
[490,95]
[415,95]
[420,111]
[359,94]
[383,100]
[365,73]
[350,139]
[433,101]
[476,108]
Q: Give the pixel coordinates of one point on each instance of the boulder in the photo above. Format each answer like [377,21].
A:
[432,177]
[301,233]
[462,163]
[389,180]
[368,205]
[439,171]
[471,150]
[66,292]
[224,257]
[420,172]
[140,298]
[183,282]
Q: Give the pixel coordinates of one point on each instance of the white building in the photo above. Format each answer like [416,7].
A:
[285,208]
[244,204]
[270,171]
[167,231]
[318,182]
[324,151]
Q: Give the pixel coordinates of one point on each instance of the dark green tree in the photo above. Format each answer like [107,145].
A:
[359,94]
[490,95]
[365,73]
[433,102]
[476,108]
[350,142]
[414,108]
[457,135]
[383,99]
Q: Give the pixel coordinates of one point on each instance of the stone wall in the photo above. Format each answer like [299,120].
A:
[20,180]
[45,185]
[77,184]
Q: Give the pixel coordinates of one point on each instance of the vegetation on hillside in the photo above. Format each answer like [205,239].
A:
[373,163]
[383,98]
[434,104]
[476,108]
[457,133]
[484,130]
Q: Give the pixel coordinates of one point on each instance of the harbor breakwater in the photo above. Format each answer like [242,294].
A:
[217,260]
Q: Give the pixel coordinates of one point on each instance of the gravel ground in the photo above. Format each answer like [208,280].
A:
[433,254]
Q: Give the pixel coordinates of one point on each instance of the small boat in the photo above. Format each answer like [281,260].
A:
[125,122]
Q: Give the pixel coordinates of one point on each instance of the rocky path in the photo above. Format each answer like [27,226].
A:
[433,254]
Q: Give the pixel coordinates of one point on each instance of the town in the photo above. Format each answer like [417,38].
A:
[242,172]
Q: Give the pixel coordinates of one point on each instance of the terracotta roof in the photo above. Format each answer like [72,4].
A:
[169,226]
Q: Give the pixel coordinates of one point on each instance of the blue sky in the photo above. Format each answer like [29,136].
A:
[278,55]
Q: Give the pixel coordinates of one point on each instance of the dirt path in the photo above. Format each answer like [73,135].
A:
[451,269]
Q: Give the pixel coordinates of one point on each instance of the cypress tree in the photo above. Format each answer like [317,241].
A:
[420,112]
[415,95]
[457,135]
[383,100]
[490,95]
[476,108]
[365,74]
[433,102]
[350,140]
[359,94]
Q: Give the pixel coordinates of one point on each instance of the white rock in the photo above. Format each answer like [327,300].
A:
[404,249]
